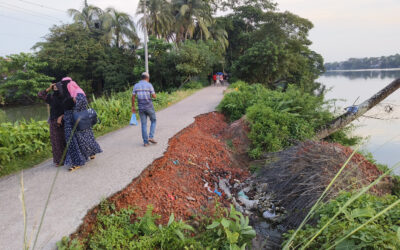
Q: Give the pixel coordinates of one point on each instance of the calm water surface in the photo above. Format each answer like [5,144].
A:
[383,133]
[11,114]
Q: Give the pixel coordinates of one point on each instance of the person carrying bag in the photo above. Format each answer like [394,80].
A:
[81,143]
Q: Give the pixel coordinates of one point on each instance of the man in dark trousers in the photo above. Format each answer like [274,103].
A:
[145,92]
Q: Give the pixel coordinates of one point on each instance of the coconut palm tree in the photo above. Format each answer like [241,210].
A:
[160,21]
[190,14]
[121,27]
[91,17]
[219,33]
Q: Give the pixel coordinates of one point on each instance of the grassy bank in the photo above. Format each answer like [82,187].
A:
[27,143]
[277,119]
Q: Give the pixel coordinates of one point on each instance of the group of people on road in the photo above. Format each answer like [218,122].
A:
[220,78]
[66,98]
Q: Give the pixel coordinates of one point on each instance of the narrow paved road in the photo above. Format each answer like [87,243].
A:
[123,159]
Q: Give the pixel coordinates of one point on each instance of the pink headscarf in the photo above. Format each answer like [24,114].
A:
[73,87]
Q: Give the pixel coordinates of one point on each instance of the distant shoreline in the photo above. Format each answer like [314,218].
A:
[360,70]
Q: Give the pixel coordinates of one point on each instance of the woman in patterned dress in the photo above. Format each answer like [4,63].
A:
[55,121]
[82,144]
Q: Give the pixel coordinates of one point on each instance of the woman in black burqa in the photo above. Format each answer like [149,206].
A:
[55,121]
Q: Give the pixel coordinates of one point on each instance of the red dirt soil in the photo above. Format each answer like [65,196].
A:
[174,183]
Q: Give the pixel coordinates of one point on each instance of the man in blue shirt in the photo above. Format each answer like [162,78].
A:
[144,92]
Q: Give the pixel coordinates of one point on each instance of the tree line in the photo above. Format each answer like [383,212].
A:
[188,41]
[383,62]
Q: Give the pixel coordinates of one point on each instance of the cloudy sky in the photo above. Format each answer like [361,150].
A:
[343,28]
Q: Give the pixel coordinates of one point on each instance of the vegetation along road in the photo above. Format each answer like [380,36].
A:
[123,159]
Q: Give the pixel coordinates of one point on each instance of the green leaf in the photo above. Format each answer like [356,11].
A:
[346,245]
[180,234]
[213,225]
[187,227]
[171,219]
[225,223]
[398,233]
[232,237]
[363,212]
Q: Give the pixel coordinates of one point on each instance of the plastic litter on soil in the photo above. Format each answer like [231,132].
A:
[185,180]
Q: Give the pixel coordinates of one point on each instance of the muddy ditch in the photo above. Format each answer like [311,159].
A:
[208,162]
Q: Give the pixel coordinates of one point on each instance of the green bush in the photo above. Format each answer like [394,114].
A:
[274,130]
[382,233]
[118,230]
[24,79]
[242,96]
[229,230]
[278,118]
[22,138]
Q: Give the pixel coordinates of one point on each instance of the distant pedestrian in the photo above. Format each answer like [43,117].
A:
[145,92]
[55,121]
[215,78]
[210,79]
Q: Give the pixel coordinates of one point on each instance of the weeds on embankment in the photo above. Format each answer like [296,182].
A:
[227,229]
[278,118]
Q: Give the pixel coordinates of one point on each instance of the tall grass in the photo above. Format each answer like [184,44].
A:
[313,208]
[341,210]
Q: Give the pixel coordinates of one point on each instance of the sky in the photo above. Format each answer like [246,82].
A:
[342,28]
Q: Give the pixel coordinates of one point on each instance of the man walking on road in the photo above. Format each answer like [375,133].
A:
[144,92]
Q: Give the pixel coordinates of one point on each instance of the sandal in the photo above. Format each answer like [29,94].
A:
[73,168]
[92,157]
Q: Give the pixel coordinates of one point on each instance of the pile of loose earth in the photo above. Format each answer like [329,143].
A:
[185,180]
[297,177]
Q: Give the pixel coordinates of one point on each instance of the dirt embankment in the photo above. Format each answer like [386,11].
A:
[211,155]
[184,180]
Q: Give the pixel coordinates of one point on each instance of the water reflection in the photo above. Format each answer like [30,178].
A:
[12,114]
[357,86]
[367,74]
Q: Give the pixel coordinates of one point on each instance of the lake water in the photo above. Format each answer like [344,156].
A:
[383,130]
[11,114]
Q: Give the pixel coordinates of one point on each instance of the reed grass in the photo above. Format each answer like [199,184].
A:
[349,202]
[313,208]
